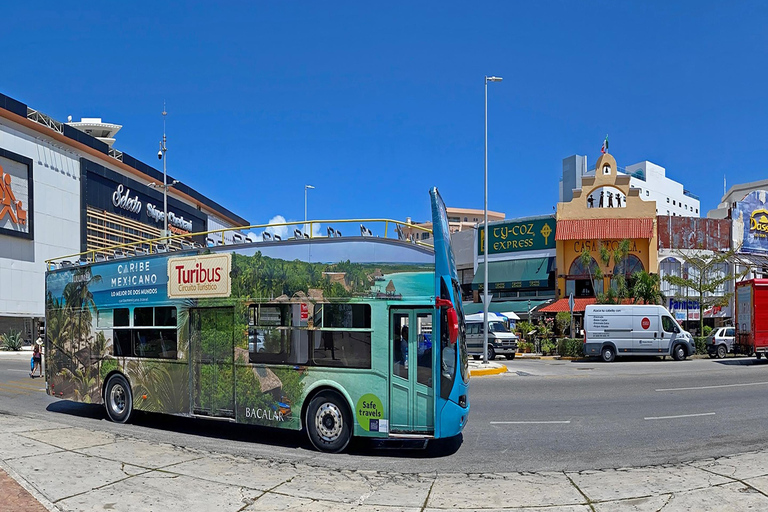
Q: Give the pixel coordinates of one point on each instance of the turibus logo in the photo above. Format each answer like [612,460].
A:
[200,276]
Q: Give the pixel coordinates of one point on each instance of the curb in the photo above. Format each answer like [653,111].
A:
[480,372]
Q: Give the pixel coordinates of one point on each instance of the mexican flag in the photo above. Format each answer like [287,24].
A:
[604,149]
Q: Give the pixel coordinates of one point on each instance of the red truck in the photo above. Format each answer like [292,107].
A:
[752,317]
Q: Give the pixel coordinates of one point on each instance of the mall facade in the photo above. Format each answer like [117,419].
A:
[64,191]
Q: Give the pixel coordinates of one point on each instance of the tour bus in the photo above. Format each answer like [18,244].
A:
[338,336]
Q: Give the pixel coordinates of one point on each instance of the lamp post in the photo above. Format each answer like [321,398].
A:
[486,298]
[305,204]
[162,155]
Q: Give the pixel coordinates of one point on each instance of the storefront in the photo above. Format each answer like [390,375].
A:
[119,210]
[521,260]
[605,229]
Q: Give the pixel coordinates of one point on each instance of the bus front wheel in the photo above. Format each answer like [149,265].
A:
[329,426]
[118,399]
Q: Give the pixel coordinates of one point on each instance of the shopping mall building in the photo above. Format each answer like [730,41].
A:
[64,189]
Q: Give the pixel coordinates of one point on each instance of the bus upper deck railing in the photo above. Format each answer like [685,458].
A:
[403,231]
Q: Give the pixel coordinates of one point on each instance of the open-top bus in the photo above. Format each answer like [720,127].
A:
[339,336]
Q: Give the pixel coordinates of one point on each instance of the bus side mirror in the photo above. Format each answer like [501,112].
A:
[453,319]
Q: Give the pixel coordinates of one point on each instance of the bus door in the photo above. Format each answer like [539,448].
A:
[212,348]
[411,404]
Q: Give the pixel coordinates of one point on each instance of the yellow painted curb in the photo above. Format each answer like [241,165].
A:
[480,372]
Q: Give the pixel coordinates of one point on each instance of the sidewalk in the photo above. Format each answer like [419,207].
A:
[73,469]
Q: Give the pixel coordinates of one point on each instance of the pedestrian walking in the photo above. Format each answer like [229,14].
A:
[37,358]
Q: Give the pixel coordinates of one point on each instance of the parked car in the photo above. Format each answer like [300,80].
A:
[501,341]
[720,341]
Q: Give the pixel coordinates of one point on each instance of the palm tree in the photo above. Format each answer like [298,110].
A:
[647,288]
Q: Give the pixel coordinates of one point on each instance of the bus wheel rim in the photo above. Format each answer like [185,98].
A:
[117,399]
[329,422]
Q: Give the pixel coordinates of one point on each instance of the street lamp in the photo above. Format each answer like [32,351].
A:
[486,299]
[162,155]
[305,204]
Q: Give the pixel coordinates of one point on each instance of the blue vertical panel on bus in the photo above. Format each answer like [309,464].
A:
[445,269]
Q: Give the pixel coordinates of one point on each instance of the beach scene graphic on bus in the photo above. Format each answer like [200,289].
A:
[287,324]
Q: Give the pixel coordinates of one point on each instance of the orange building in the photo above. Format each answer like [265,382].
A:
[603,213]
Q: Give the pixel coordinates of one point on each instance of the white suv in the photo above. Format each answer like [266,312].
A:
[720,341]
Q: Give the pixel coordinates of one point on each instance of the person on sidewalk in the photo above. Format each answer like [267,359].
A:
[37,358]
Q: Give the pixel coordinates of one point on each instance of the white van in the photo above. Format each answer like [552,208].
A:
[634,330]
[501,341]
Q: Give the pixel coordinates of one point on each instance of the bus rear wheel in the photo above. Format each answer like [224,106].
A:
[329,426]
[118,399]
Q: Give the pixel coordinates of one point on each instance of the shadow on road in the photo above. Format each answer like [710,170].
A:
[225,430]
[747,361]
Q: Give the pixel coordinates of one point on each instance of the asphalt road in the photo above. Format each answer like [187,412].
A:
[542,415]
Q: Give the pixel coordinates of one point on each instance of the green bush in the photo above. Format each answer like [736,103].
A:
[12,340]
[701,344]
[570,347]
[548,347]
[707,330]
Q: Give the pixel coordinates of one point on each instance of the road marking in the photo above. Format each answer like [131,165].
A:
[715,387]
[529,422]
[679,416]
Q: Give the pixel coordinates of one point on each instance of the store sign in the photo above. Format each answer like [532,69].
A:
[202,276]
[684,309]
[173,220]
[15,195]
[518,236]
[124,200]
[750,222]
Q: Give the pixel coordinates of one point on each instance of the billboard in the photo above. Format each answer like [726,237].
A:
[750,223]
[15,195]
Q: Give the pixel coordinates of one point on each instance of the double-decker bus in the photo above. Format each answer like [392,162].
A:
[339,336]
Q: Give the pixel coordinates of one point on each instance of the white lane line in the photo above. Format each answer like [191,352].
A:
[679,416]
[715,387]
[529,422]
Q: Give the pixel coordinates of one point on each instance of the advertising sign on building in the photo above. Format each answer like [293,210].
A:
[528,235]
[15,195]
[750,222]
[202,276]
[108,191]
[684,309]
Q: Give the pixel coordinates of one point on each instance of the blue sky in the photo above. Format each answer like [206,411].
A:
[374,103]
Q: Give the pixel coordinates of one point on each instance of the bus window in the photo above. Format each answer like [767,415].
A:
[153,333]
[273,339]
[347,349]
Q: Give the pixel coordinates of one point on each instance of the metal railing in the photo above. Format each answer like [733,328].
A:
[185,242]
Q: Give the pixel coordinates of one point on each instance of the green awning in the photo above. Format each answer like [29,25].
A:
[510,274]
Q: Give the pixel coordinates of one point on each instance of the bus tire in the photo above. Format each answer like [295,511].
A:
[329,423]
[678,353]
[608,355]
[491,353]
[510,356]
[759,355]
[118,399]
